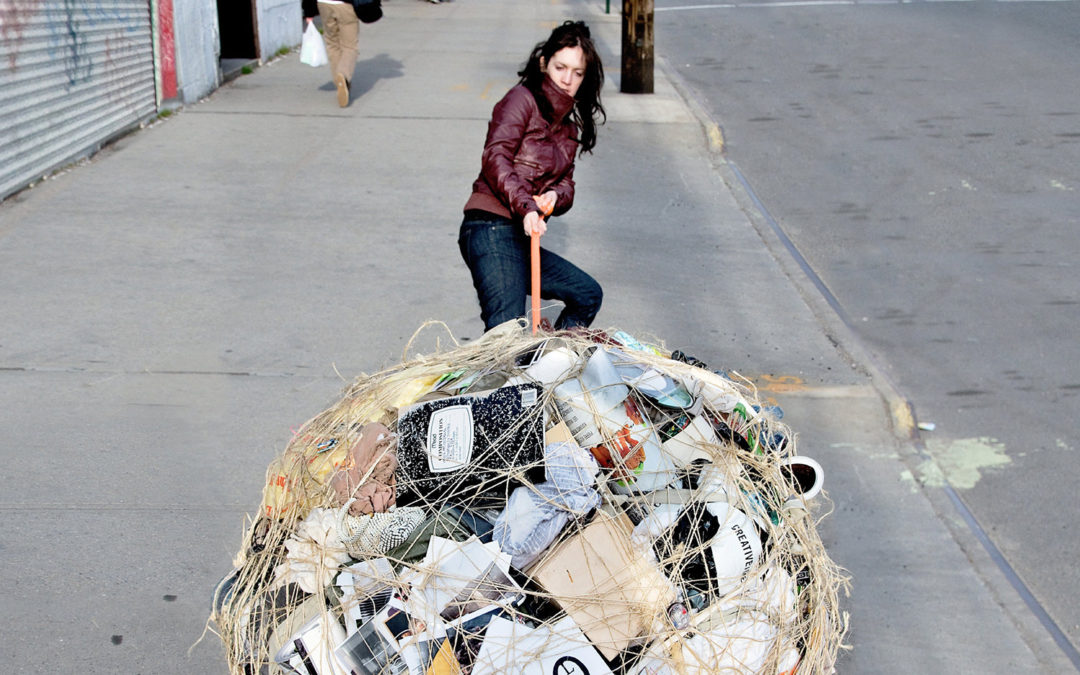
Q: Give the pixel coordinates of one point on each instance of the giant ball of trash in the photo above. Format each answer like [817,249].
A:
[558,503]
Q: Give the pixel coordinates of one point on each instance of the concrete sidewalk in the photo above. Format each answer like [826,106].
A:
[172,308]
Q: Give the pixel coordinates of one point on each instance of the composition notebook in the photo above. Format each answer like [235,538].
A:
[469,448]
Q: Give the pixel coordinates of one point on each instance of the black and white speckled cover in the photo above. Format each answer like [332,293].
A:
[466,449]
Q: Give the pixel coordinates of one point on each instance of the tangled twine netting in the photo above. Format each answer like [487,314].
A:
[565,503]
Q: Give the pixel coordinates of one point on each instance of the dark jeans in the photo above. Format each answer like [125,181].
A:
[497,252]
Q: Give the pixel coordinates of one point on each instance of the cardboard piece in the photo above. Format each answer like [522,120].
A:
[559,433]
[612,591]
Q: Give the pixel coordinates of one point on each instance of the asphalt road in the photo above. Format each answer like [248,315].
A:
[924,158]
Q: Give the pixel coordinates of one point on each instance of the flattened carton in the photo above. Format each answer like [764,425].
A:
[611,591]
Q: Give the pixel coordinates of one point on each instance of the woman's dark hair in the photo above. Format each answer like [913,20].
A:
[587,106]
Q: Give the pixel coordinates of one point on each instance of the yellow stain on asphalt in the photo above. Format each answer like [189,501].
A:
[902,417]
[772,389]
[780,384]
[487,91]
[769,387]
[459,87]
[716,138]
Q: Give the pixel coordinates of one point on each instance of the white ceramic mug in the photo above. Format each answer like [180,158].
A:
[804,473]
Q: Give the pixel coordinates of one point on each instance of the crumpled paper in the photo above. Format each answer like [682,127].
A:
[742,646]
[315,552]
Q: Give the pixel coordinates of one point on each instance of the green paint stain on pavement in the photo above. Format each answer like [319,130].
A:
[926,473]
[962,461]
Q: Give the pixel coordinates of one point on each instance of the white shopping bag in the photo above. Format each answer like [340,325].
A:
[312,49]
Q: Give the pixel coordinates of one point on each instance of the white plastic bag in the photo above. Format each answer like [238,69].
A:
[312,48]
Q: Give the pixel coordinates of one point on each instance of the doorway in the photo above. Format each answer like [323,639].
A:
[239,46]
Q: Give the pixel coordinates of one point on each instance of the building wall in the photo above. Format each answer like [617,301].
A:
[280,25]
[198,48]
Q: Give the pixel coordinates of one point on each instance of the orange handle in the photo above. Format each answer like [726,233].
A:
[535,291]
[535,281]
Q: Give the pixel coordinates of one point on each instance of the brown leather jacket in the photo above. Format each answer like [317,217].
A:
[524,155]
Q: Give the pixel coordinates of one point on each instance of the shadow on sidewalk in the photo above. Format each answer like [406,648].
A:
[368,72]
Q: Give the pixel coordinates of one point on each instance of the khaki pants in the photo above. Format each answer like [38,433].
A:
[341,30]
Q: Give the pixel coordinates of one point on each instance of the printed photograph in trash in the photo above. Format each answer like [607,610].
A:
[565,503]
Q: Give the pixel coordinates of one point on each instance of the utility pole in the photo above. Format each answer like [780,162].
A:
[637,47]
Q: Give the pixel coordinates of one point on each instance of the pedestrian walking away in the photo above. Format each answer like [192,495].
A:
[341,31]
[527,170]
